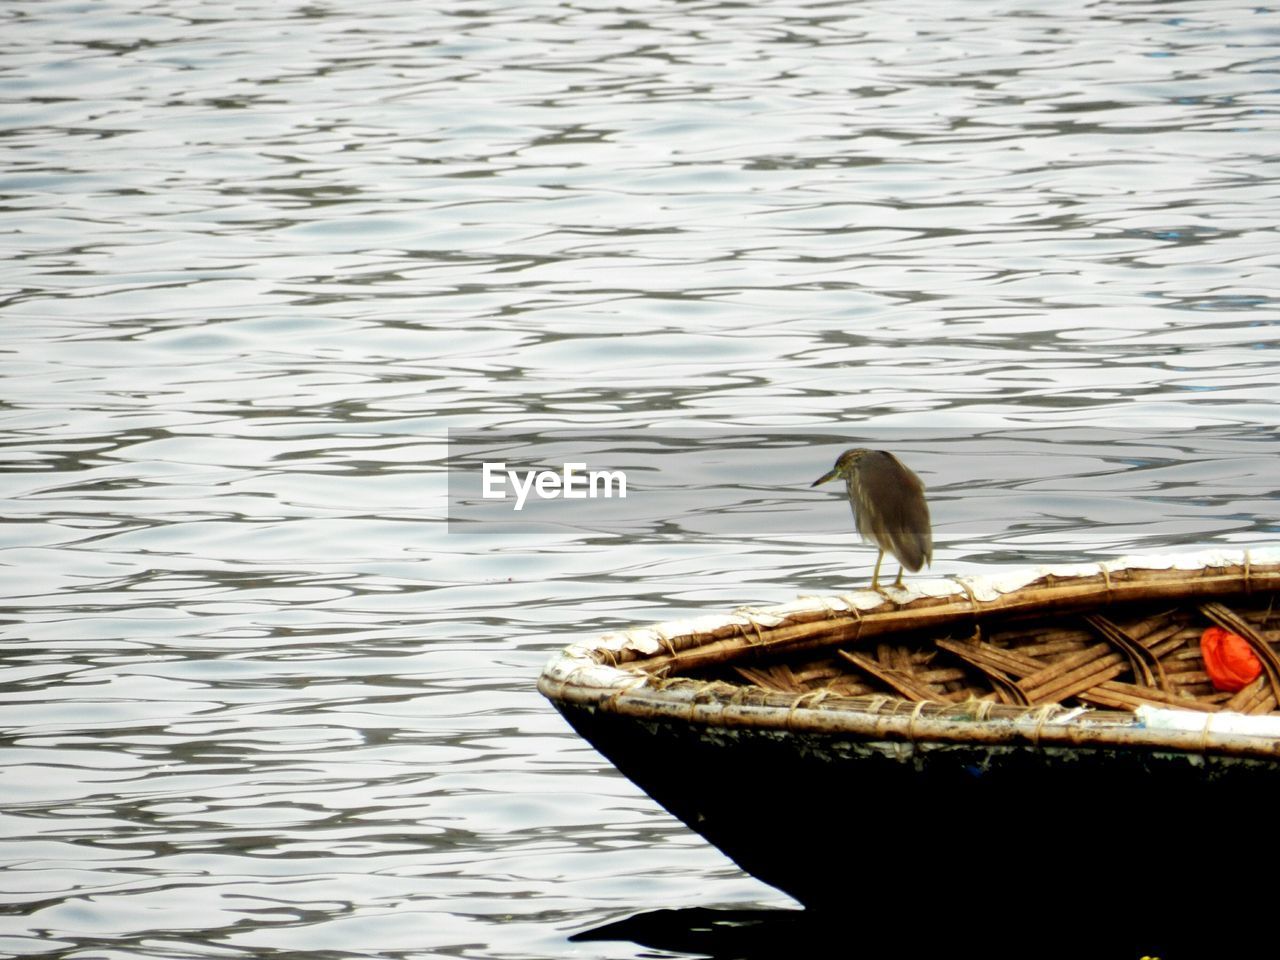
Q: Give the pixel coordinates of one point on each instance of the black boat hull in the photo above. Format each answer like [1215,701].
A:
[953,831]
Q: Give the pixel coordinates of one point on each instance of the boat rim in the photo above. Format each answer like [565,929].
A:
[603,673]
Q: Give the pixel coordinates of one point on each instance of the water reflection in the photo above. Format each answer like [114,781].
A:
[866,931]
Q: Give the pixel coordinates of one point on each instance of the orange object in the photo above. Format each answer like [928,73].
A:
[1228,659]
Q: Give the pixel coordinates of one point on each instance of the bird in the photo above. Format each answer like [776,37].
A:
[889,508]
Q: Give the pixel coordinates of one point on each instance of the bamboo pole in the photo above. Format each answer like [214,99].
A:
[740,639]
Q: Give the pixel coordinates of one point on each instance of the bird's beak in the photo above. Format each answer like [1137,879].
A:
[829,475]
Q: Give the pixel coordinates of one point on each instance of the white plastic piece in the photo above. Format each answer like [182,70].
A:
[1194,721]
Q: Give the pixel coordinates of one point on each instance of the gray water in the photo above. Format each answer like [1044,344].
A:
[256,698]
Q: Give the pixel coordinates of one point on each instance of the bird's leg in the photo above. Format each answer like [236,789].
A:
[875,577]
[898,583]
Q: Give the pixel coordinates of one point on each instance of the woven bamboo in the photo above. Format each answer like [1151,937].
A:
[1084,655]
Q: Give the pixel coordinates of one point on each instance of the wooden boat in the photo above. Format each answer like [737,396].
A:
[964,748]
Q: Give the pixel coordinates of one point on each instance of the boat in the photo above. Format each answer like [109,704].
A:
[1002,748]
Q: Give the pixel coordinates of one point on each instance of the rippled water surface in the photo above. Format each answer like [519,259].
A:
[260,261]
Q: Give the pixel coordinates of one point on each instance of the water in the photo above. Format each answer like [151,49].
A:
[256,699]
